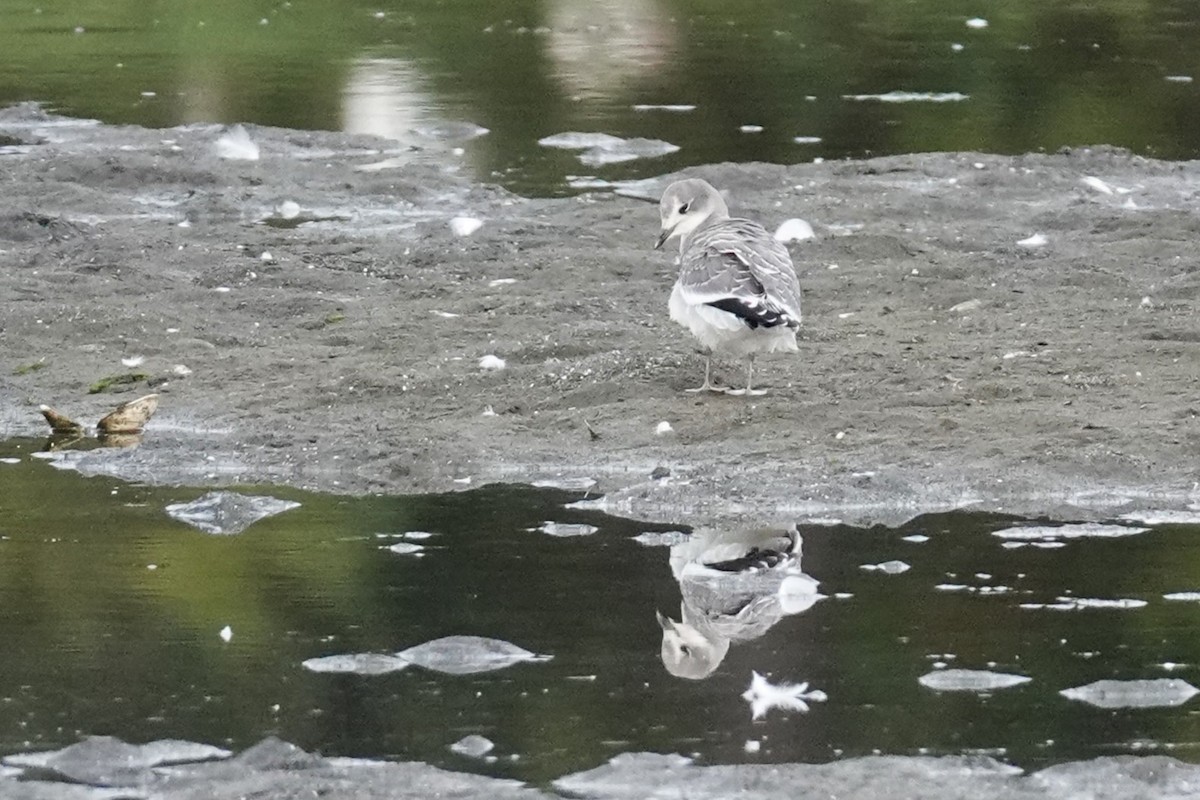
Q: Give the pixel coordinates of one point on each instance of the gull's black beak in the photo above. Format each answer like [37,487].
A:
[662,239]
[663,622]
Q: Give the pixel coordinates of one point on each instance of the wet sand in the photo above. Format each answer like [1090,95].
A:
[942,363]
[105,769]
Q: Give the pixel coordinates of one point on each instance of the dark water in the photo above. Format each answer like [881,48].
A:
[1039,76]
[96,642]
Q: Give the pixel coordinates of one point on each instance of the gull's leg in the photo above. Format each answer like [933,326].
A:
[749,381]
[707,386]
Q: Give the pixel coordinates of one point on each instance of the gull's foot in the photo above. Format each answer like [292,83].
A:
[708,387]
[746,392]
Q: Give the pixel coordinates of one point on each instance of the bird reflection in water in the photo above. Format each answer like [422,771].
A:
[735,586]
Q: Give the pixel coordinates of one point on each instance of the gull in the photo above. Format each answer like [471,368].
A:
[737,290]
[712,553]
[735,586]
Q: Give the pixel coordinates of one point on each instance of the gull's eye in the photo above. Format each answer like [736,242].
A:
[683,208]
[683,648]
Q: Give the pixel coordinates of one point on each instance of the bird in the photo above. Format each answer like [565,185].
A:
[737,290]
[735,585]
[717,552]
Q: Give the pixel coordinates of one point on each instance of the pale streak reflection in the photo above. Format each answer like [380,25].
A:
[736,585]
[384,97]
[599,47]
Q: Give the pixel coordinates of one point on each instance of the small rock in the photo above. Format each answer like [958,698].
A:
[1165,517]
[970,680]
[356,664]
[574,484]
[465,226]
[228,512]
[1156,693]
[473,746]
[794,230]
[105,761]
[467,655]
[1074,530]
[275,754]
[566,529]
[893,567]
[661,538]
[492,362]
[1092,182]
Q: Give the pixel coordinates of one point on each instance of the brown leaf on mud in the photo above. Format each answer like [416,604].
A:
[58,422]
[129,417]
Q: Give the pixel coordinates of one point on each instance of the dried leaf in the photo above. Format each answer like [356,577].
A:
[58,422]
[129,417]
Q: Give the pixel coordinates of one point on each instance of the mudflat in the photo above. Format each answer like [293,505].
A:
[1016,333]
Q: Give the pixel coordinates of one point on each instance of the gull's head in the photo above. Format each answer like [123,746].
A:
[686,653]
[685,206]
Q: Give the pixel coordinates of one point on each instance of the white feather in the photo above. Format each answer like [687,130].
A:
[237,145]
[764,696]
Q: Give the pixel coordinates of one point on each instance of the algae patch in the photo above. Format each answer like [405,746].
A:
[111,382]
[29,369]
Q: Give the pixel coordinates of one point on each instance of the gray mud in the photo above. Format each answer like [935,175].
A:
[319,355]
[275,770]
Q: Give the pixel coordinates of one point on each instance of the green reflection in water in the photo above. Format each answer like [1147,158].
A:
[1039,76]
[97,642]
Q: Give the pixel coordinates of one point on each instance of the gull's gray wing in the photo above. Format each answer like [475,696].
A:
[737,266]
[753,550]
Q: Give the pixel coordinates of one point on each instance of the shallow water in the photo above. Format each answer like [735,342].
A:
[111,615]
[1036,76]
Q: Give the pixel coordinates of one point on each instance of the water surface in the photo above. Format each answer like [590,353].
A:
[111,616]
[1029,75]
